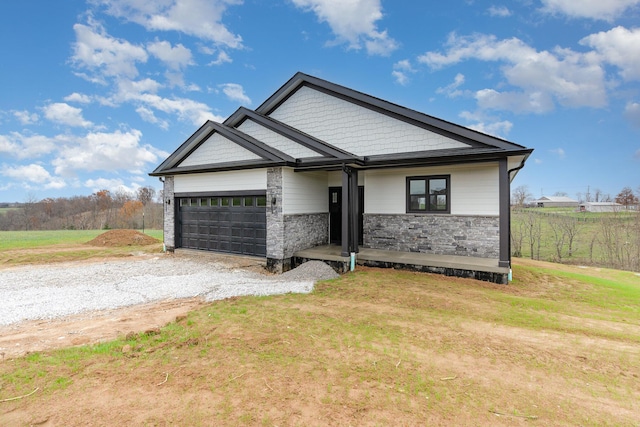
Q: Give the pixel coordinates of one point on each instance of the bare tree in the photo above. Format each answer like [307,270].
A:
[520,195]
[626,197]
[559,236]
[597,195]
[145,195]
[517,236]
[533,229]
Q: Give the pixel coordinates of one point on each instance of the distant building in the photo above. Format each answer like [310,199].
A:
[601,207]
[556,202]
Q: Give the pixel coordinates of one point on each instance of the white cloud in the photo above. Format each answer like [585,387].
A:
[95,50]
[353,22]
[500,129]
[235,92]
[632,113]
[401,71]
[487,124]
[542,78]
[148,116]
[80,98]
[222,58]
[34,174]
[25,117]
[186,109]
[499,11]
[62,113]
[452,90]
[114,185]
[559,152]
[105,151]
[606,10]
[177,57]
[619,47]
[199,18]
[517,102]
[26,146]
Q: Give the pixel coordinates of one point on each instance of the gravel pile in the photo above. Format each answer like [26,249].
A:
[55,291]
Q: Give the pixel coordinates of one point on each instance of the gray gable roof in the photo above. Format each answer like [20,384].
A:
[475,146]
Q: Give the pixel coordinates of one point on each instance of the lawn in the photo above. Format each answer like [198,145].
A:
[558,346]
[589,247]
[25,247]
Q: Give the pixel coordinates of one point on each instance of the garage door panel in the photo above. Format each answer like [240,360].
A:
[237,227]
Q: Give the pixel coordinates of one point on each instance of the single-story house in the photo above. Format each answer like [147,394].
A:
[318,164]
[556,202]
[601,207]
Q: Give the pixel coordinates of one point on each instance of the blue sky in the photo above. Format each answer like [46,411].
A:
[95,94]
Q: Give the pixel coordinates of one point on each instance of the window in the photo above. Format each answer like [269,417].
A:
[428,194]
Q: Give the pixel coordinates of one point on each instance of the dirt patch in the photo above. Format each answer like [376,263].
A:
[114,238]
[90,328]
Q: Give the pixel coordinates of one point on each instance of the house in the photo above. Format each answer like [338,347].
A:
[319,165]
[556,202]
[601,207]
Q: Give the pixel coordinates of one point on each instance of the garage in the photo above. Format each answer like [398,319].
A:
[234,224]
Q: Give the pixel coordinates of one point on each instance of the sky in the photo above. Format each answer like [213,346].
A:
[95,94]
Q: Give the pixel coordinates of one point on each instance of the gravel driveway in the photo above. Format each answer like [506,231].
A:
[55,291]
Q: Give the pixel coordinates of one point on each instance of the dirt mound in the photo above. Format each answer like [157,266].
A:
[123,238]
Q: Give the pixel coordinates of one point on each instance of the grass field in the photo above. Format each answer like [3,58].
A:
[587,248]
[22,247]
[558,346]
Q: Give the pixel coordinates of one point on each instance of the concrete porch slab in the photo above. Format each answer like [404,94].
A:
[450,265]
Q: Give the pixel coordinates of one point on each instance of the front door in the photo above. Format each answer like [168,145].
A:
[335,215]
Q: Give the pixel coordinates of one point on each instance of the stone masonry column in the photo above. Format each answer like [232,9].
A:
[169,214]
[275,223]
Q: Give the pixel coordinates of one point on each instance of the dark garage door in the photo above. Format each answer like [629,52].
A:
[228,224]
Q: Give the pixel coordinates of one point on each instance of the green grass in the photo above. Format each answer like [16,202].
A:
[585,249]
[38,239]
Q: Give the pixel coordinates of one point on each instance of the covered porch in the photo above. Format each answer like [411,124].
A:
[450,265]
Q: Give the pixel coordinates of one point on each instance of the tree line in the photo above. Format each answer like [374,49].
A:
[98,211]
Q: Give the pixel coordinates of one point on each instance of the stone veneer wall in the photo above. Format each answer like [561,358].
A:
[275,221]
[477,236]
[303,231]
[169,214]
[287,234]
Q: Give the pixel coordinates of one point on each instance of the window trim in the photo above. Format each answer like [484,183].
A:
[427,178]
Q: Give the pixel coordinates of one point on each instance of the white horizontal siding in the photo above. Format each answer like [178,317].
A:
[218,149]
[276,140]
[304,192]
[474,189]
[254,179]
[335,178]
[356,129]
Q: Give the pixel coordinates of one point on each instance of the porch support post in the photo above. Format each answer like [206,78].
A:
[346,171]
[505,214]
[353,211]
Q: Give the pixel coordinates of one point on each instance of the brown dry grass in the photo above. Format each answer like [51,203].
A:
[376,347]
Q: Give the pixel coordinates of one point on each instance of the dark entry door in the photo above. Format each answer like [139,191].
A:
[335,214]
